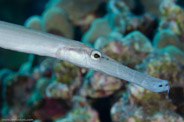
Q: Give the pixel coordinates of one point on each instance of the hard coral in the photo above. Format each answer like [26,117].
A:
[124,21]
[34,22]
[148,101]
[172,17]
[81,112]
[99,27]
[166,37]
[151,6]
[67,73]
[164,66]
[100,85]
[49,108]
[130,50]
[17,90]
[58,90]
[55,21]
[77,10]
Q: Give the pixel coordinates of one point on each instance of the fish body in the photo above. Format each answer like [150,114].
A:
[22,39]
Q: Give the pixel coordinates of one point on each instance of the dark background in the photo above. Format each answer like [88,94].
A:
[17,11]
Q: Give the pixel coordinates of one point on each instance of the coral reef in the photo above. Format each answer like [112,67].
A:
[151,6]
[100,85]
[124,21]
[17,90]
[81,112]
[172,17]
[34,22]
[56,22]
[143,105]
[165,66]
[129,50]
[47,89]
[78,10]
[99,27]
[165,38]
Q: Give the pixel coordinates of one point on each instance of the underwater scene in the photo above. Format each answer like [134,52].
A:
[119,61]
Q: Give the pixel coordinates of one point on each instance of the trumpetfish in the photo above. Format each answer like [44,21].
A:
[22,39]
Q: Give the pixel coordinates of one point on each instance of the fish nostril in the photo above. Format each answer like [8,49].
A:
[160,85]
[166,84]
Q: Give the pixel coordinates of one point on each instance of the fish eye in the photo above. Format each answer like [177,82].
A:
[96,55]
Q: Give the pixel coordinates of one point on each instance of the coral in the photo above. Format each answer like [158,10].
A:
[99,27]
[49,108]
[46,68]
[68,74]
[124,21]
[148,101]
[151,6]
[175,52]
[58,90]
[130,3]
[142,105]
[164,66]
[41,86]
[100,85]
[166,37]
[169,117]
[168,66]
[137,39]
[122,109]
[34,22]
[119,14]
[145,24]
[55,21]
[172,17]
[129,50]
[17,90]
[81,112]
[86,114]
[18,83]
[48,89]
[77,10]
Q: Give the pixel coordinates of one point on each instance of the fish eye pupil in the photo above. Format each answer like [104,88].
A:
[160,85]
[96,55]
